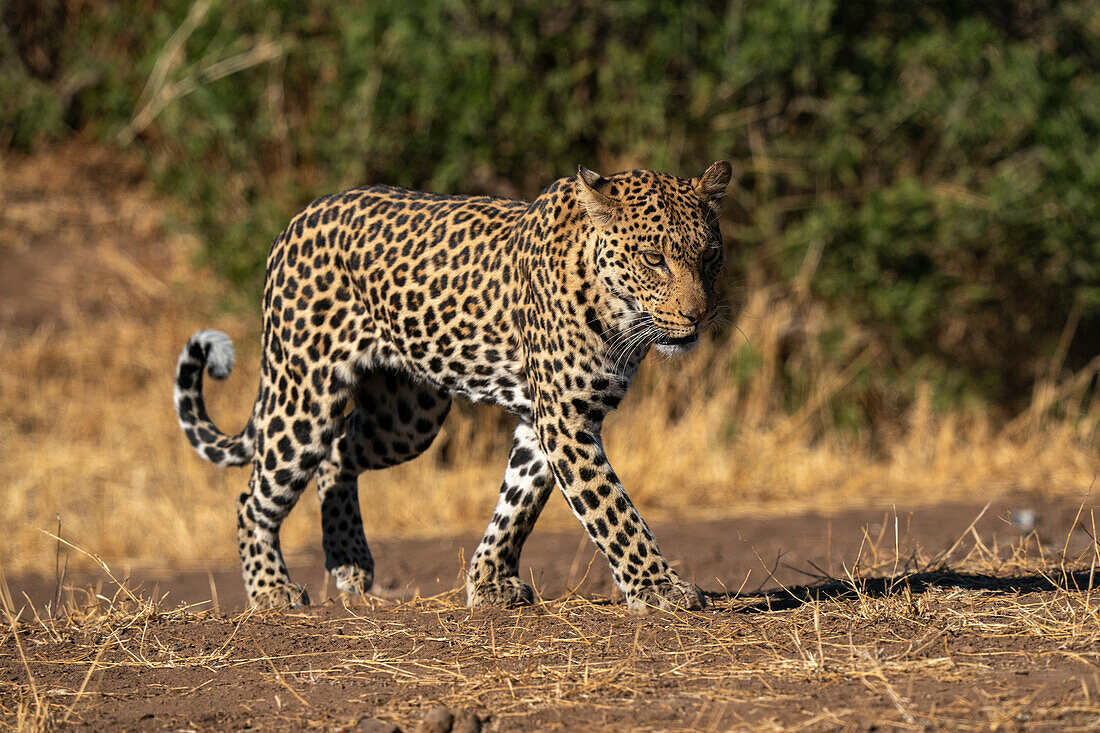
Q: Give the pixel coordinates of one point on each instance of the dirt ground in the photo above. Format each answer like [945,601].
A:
[927,619]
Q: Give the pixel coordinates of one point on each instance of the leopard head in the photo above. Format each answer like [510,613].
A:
[658,251]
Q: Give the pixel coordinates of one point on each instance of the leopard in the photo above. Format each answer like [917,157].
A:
[381,305]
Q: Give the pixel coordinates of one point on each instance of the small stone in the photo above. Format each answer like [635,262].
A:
[374,725]
[438,720]
[466,722]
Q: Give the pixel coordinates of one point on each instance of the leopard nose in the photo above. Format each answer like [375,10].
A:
[693,317]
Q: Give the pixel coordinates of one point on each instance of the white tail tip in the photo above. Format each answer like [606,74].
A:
[219,352]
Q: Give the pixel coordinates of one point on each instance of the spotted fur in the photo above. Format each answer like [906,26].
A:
[382,304]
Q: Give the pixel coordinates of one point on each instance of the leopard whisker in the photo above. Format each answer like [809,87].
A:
[623,338]
[644,337]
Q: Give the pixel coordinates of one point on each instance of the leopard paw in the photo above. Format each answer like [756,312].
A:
[283,595]
[506,591]
[669,594]
[352,579]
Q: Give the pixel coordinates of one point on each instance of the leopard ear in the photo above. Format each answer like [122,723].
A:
[601,208]
[711,186]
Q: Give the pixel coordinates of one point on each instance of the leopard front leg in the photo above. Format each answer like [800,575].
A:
[595,494]
[494,570]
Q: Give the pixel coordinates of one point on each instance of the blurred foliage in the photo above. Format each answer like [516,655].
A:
[930,171]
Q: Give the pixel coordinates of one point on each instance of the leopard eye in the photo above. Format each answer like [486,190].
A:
[711,255]
[653,259]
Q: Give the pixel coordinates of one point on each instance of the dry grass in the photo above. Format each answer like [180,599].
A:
[87,430]
[973,639]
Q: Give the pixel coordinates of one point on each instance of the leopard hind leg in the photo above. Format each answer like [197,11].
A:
[394,420]
[296,432]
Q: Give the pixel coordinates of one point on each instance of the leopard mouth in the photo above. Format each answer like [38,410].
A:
[678,341]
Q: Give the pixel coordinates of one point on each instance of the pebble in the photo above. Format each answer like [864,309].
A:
[438,720]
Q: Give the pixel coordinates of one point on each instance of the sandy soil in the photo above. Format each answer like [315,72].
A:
[722,555]
[973,640]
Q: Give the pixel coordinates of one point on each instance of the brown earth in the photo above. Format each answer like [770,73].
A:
[949,623]
[751,554]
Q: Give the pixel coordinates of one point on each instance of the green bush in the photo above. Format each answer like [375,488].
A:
[932,169]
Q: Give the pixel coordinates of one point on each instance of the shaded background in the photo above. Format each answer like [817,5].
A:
[914,229]
[930,169]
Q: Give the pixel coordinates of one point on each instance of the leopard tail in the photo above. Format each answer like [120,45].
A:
[213,351]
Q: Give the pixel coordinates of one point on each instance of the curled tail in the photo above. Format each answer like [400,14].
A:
[213,351]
